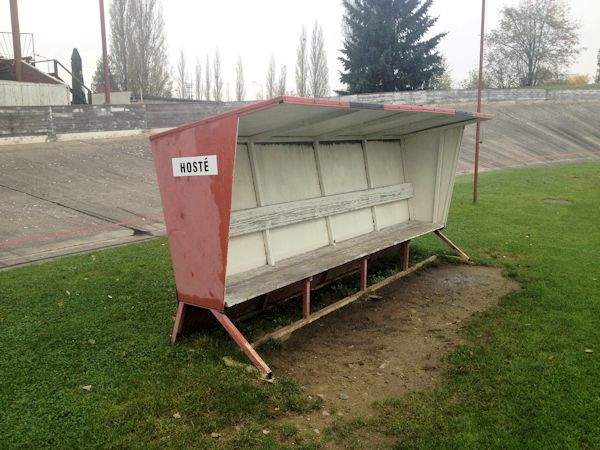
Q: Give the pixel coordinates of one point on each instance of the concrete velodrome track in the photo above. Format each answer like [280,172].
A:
[64,198]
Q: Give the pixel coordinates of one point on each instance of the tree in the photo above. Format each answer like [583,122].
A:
[270,82]
[139,47]
[472,80]
[282,81]
[597,79]
[443,81]
[536,41]
[207,79]
[318,74]
[98,80]
[218,77]
[198,80]
[120,35]
[182,76]
[240,88]
[385,48]
[302,65]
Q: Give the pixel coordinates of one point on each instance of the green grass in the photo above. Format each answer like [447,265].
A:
[522,380]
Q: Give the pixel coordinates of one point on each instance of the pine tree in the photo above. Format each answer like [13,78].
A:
[384,46]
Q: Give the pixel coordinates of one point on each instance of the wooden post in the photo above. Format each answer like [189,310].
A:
[363,274]
[179,316]
[452,245]
[405,255]
[241,341]
[306,298]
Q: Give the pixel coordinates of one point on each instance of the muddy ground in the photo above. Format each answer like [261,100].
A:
[385,347]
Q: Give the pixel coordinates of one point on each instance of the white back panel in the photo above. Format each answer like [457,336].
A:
[420,157]
[287,173]
[343,170]
[385,166]
[244,252]
[452,138]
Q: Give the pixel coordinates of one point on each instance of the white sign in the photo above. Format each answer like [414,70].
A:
[195,166]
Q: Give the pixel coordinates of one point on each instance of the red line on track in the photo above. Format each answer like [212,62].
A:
[93,229]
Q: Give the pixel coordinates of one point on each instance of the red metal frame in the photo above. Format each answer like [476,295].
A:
[16,35]
[306,298]
[451,244]
[405,255]
[479,89]
[241,341]
[199,234]
[104,55]
[363,274]
[309,101]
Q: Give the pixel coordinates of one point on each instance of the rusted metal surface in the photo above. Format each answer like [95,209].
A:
[452,245]
[16,35]
[197,210]
[104,55]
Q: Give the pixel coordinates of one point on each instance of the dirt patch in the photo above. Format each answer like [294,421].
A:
[381,348]
[558,201]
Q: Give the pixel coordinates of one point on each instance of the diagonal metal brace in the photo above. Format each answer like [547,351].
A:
[241,341]
[452,245]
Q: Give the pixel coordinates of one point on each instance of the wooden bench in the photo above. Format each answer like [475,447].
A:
[297,191]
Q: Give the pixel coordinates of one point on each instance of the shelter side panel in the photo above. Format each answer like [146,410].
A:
[195,176]
[450,153]
[248,251]
[343,170]
[420,157]
[386,169]
[287,173]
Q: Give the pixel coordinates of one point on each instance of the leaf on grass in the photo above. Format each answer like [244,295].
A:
[265,431]
[177,416]
[589,350]
[215,435]
[87,387]
[110,296]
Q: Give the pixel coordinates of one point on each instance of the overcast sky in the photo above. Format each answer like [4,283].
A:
[256,29]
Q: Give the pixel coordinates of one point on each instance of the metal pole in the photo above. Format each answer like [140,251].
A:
[104,55]
[479,89]
[16,36]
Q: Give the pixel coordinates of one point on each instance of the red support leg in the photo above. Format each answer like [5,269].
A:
[306,298]
[452,245]
[179,316]
[241,341]
[405,255]
[363,274]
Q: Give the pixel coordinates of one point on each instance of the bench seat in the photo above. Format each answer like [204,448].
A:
[252,283]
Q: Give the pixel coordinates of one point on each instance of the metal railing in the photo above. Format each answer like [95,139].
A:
[56,64]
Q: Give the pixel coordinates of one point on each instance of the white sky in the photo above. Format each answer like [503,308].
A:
[256,29]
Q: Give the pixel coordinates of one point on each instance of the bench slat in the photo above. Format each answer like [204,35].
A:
[267,217]
[247,285]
